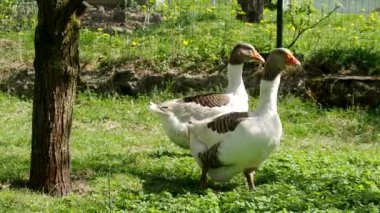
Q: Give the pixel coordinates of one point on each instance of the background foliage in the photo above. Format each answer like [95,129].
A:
[197,33]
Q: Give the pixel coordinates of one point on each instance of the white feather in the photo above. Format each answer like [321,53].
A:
[249,144]
[176,114]
[244,144]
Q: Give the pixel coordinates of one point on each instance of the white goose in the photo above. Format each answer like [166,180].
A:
[175,114]
[241,141]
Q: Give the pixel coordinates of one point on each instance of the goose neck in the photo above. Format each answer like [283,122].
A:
[235,78]
[268,94]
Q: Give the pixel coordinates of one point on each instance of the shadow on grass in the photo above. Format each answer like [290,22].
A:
[156,179]
[14,172]
[156,183]
[168,154]
[101,166]
[17,183]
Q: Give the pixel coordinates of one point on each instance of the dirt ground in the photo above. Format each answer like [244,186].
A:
[118,20]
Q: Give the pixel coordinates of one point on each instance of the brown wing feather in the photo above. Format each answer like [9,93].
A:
[209,100]
[227,122]
[209,158]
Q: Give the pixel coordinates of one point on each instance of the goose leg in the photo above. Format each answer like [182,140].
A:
[249,176]
[204,176]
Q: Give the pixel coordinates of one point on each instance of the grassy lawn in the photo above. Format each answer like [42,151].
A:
[121,160]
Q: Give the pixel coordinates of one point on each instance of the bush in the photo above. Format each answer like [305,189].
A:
[348,61]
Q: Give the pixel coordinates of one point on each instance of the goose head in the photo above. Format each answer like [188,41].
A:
[277,62]
[243,53]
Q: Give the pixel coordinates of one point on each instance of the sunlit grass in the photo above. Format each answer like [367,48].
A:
[121,159]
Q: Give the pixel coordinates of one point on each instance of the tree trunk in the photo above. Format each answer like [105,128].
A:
[253,9]
[57,69]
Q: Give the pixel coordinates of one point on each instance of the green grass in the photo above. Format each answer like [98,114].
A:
[197,34]
[121,160]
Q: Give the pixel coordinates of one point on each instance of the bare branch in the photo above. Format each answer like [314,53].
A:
[302,31]
[77,7]
[72,6]
[292,20]
[82,9]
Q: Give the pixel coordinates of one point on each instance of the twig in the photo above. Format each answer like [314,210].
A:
[302,31]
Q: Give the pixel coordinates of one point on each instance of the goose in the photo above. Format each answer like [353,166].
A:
[240,141]
[175,114]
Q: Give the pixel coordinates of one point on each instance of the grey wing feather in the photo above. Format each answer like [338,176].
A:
[227,122]
[209,100]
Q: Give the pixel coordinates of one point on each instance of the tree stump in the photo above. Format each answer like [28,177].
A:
[253,9]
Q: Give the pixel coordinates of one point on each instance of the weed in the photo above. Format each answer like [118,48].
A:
[193,36]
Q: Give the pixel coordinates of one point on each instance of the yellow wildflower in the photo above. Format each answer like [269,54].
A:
[340,28]
[185,42]
[134,44]
[372,17]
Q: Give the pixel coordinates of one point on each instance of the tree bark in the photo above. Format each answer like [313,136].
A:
[253,9]
[57,70]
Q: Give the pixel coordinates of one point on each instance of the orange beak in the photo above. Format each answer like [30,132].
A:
[292,60]
[257,57]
